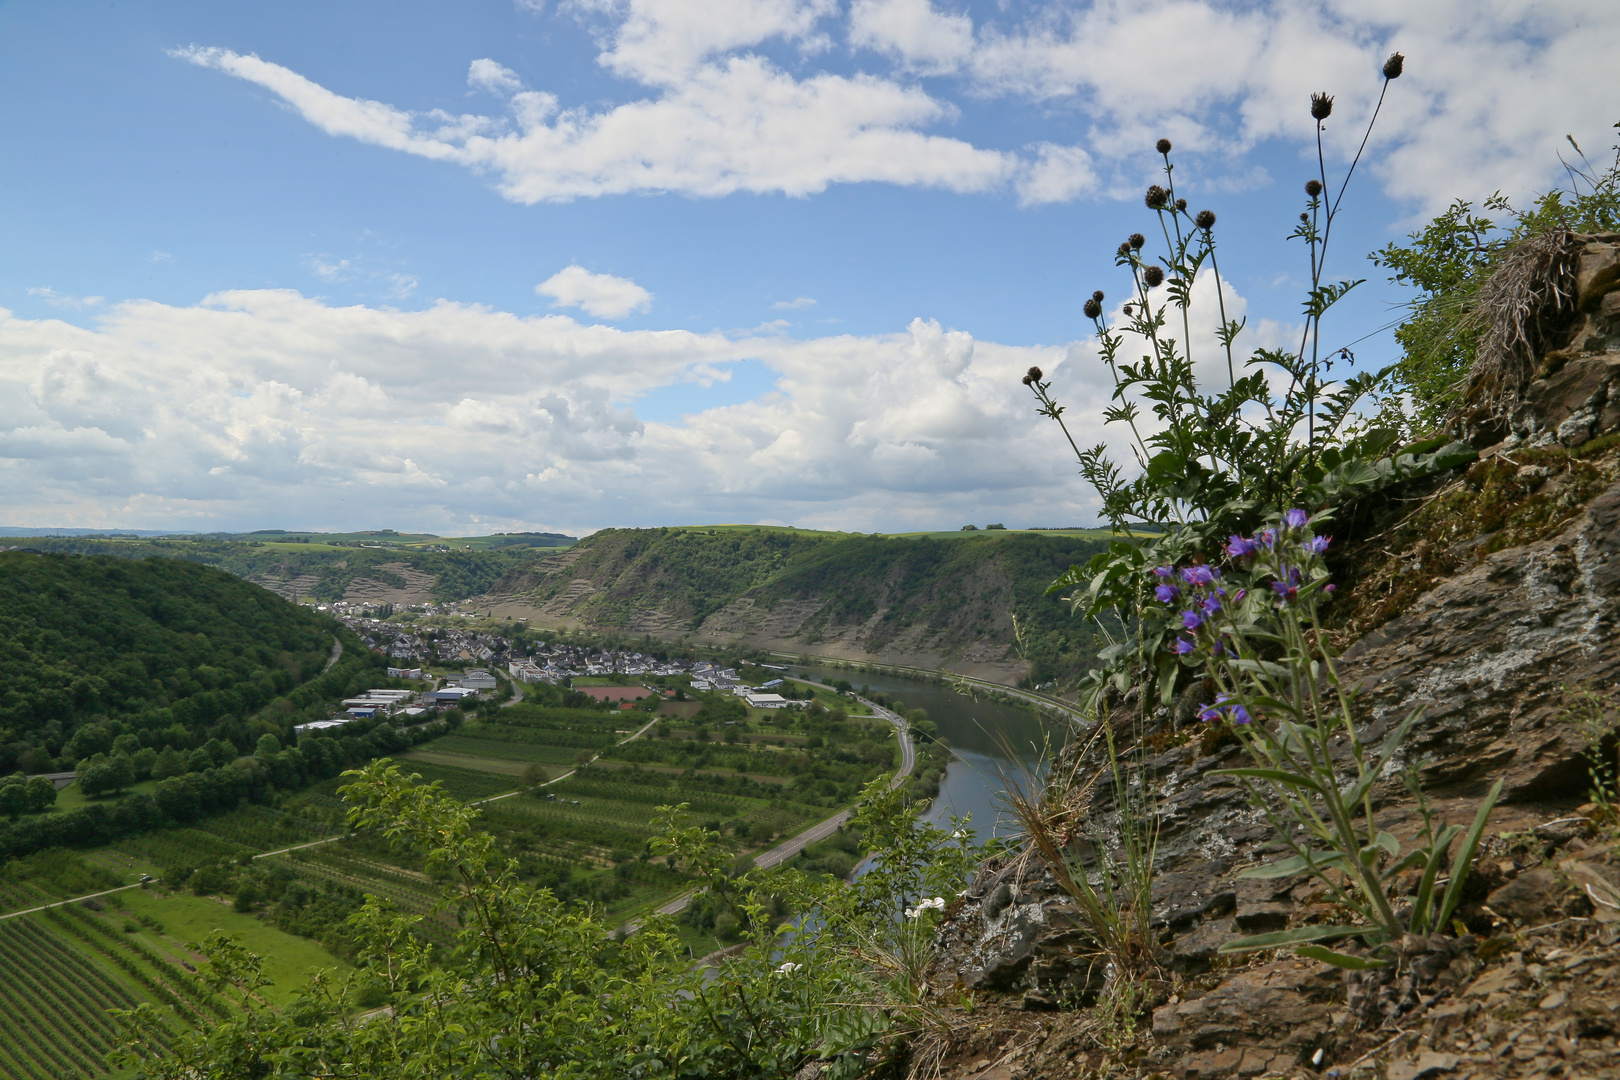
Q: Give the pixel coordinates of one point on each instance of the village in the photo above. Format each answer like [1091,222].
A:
[413,652]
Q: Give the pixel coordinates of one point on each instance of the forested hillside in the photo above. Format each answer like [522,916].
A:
[324,568]
[929,600]
[155,644]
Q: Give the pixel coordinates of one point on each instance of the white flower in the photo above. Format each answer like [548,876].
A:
[936,904]
[788,968]
[959,834]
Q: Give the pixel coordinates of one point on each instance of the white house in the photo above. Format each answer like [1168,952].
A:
[766,701]
[477,679]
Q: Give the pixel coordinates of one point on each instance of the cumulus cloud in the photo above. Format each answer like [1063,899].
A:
[922,38]
[1226,75]
[490,76]
[1057,174]
[738,124]
[268,405]
[602,295]
[662,42]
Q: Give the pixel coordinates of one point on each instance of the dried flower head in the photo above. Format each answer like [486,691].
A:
[1205,220]
[1303,218]
[1321,106]
[1153,276]
[1181,204]
[1097,296]
[1162,146]
[1124,249]
[1034,375]
[1137,240]
[1313,188]
[1092,308]
[1156,197]
[1130,310]
[1392,66]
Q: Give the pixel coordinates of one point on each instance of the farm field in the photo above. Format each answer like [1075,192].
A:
[753,776]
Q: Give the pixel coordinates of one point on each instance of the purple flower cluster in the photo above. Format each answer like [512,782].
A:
[1225,709]
[1202,585]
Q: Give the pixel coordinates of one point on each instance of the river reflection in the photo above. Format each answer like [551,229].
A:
[979,731]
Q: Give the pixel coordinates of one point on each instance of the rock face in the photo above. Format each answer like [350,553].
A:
[1496,649]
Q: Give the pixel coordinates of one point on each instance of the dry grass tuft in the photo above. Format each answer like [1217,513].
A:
[1519,310]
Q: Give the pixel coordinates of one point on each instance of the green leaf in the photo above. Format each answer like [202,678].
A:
[1465,857]
[1338,959]
[1276,776]
[1291,937]
[1388,842]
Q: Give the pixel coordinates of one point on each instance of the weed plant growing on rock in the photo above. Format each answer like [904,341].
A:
[1279,690]
[1212,462]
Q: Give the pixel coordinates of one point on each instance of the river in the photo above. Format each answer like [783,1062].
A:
[980,732]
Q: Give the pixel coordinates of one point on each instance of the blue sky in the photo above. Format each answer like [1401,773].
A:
[624,262]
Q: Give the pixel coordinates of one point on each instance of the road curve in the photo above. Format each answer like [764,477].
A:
[784,851]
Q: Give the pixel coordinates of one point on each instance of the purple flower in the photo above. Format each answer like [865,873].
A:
[1198,575]
[1329,589]
[1266,538]
[1240,547]
[1166,594]
[1211,606]
[1295,519]
[1184,646]
[1240,715]
[1163,571]
[1320,544]
[1284,590]
[1237,597]
[1209,714]
[1191,620]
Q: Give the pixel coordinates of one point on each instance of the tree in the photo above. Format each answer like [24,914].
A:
[41,794]
[269,746]
[169,763]
[13,798]
[533,775]
[120,771]
[95,779]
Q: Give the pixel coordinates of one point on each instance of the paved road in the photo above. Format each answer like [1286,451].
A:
[71,900]
[784,851]
[517,694]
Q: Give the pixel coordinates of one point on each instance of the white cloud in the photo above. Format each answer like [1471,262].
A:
[1470,115]
[602,295]
[490,76]
[64,300]
[267,405]
[736,125]
[798,303]
[1058,174]
[328,268]
[662,42]
[160,257]
[922,38]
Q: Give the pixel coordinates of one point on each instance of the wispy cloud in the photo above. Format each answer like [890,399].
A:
[798,303]
[64,300]
[160,257]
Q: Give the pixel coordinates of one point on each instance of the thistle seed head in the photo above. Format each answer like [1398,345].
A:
[1162,146]
[1137,240]
[1304,218]
[1181,204]
[1321,106]
[1156,197]
[1097,296]
[1205,220]
[1092,308]
[1033,376]
[1392,66]
[1313,188]
[1153,277]
[1130,309]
